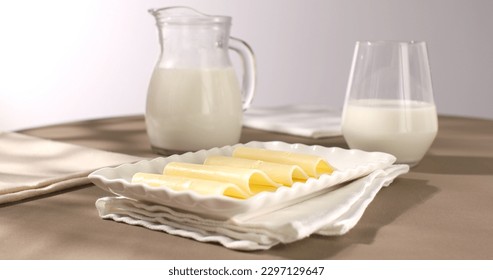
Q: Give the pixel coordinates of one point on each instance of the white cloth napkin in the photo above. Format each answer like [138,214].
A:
[31,166]
[331,213]
[311,121]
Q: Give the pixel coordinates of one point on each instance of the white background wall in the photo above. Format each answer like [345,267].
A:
[83,59]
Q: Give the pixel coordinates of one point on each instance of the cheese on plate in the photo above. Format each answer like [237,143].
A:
[313,165]
[285,174]
[249,180]
[178,183]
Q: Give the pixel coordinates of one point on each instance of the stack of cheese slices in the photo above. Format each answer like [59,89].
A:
[247,172]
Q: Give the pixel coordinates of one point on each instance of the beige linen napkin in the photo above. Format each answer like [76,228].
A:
[31,166]
[312,121]
[331,213]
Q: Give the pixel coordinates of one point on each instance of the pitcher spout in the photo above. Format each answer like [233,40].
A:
[185,15]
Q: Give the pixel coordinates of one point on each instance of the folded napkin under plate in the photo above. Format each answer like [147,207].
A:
[331,213]
[312,121]
[31,166]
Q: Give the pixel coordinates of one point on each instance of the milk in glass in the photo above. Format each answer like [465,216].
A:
[405,129]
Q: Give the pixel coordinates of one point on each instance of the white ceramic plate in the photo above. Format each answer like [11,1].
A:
[349,165]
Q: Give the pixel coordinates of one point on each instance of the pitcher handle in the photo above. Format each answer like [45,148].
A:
[249,69]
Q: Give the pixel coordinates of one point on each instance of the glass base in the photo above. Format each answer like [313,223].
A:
[166,152]
[411,164]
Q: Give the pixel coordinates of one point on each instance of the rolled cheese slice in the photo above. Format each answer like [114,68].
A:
[206,187]
[249,180]
[285,174]
[313,165]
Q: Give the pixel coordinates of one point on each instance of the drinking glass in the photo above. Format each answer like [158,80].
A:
[389,105]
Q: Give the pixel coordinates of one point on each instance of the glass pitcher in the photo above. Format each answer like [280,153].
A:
[194,100]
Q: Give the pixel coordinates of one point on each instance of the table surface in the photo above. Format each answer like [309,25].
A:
[441,209]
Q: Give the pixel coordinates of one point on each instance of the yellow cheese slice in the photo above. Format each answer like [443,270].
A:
[285,174]
[176,183]
[313,165]
[249,180]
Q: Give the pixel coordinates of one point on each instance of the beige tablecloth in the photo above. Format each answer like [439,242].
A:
[441,209]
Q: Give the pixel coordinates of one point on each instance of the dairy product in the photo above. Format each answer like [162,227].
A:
[313,166]
[236,176]
[250,180]
[193,109]
[405,129]
[285,174]
[205,187]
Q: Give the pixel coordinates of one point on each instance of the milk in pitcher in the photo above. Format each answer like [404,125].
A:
[193,109]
